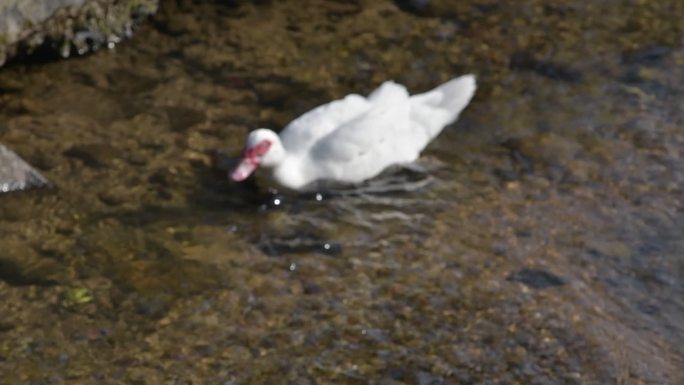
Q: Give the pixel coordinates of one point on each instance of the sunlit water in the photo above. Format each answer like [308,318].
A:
[541,242]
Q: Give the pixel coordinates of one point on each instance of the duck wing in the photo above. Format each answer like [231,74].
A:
[364,146]
[303,132]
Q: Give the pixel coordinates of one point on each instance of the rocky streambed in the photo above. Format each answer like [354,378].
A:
[547,248]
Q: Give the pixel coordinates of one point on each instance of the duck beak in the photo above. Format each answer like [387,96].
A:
[244,169]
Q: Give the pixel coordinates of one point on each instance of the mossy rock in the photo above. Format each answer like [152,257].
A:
[65,27]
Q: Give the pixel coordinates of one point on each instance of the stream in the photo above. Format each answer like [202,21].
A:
[543,243]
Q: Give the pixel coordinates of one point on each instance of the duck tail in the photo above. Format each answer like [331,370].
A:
[442,105]
[456,94]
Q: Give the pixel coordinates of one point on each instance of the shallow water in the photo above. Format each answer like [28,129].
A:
[547,247]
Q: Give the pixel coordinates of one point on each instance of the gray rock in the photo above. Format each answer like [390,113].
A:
[67,26]
[16,174]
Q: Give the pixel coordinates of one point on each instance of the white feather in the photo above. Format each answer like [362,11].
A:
[356,138]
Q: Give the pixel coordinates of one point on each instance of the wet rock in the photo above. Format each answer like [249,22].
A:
[66,26]
[646,55]
[179,24]
[15,275]
[556,71]
[183,118]
[21,265]
[16,174]
[311,288]
[413,5]
[113,197]
[548,154]
[608,248]
[425,378]
[536,279]
[163,177]
[92,155]
[390,381]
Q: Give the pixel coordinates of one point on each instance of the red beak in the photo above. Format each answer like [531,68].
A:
[250,161]
[244,169]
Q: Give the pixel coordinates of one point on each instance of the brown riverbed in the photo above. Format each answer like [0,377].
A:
[547,249]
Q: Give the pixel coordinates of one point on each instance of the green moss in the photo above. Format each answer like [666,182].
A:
[77,296]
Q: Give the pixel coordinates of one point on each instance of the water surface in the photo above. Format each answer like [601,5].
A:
[546,249]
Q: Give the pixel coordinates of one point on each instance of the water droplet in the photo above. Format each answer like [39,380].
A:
[319,197]
[293,266]
[276,202]
[331,248]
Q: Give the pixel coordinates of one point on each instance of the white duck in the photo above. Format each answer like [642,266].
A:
[355,138]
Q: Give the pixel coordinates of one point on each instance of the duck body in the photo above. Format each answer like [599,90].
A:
[355,138]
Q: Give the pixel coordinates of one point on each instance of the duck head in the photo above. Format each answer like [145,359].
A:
[263,148]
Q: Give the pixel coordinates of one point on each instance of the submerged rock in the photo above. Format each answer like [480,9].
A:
[525,61]
[16,174]
[536,279]
[413,5]
[66,26]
